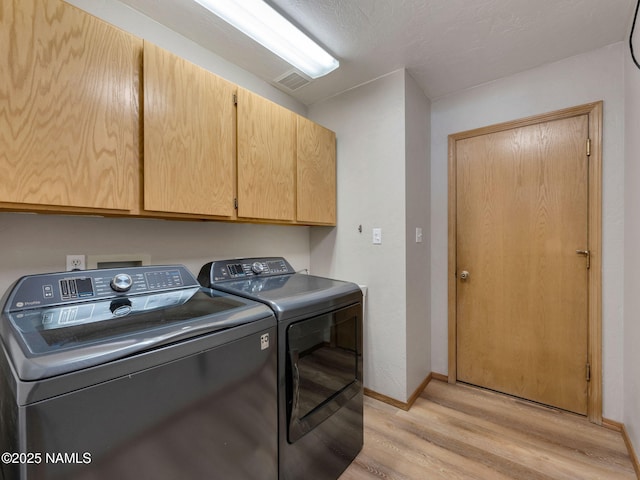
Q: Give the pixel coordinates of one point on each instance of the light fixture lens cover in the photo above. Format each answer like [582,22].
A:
[262,23]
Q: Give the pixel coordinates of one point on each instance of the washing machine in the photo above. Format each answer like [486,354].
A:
[320,390]
[135,373]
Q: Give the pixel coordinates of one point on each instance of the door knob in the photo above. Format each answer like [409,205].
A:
[464,275]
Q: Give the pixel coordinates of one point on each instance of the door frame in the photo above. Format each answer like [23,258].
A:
[594,329]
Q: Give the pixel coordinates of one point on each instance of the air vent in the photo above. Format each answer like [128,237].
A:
[292,80]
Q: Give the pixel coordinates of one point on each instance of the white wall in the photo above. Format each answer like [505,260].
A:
[418,255]
[632,254]
[382,130]
[34,243]
[370,128]
[586,78]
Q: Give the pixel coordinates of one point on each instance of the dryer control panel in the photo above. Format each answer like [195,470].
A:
[38,291]
[243,268]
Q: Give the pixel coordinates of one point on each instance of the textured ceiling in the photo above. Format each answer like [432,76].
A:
[446,45]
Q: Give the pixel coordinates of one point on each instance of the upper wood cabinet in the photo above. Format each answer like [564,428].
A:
[316,170]
[266,159]
[76,134]
[189,137]
[69,106]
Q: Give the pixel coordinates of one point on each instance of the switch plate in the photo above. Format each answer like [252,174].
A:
[418,235]
[76,262]
[377,236]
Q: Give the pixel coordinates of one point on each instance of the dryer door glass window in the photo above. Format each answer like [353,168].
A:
[323,367]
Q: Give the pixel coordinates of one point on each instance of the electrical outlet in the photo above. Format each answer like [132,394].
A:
[76,262]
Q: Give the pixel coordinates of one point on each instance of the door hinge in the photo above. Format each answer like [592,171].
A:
[588,147]
[587,254]
[235,203]
[588,372]
[235,99]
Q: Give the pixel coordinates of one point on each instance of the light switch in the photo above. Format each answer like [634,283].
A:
[418,235]
[377,236]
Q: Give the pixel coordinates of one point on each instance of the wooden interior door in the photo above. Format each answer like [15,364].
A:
[522,213]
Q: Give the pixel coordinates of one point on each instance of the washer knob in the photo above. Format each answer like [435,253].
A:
[121,282]
[120,307]
[257,268]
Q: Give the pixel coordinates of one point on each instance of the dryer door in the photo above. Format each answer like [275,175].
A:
[324,367]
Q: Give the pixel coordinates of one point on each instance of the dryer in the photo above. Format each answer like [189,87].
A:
[320,390]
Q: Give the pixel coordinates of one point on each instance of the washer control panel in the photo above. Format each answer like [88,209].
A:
[36,291]
[242,268]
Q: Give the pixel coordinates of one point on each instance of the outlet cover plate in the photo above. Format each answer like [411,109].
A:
[76,262]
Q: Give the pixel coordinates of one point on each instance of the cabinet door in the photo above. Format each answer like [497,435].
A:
[266,159]
[316,168]
[189,143]
[69,105]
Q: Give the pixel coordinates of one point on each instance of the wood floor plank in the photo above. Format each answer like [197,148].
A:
[541,426]
[405,440]
[462,432]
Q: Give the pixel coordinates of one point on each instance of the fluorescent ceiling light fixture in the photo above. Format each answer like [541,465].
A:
[259,21]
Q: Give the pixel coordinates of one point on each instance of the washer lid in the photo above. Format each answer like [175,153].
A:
[44,342]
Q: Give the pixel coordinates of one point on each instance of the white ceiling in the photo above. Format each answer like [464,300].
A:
[446,45]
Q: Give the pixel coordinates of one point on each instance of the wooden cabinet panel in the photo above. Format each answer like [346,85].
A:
[70,129]
[189,142]
[316,168]
[69,105]
[266,159]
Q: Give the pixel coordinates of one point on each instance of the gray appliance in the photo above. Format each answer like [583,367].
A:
[135,373]
[319,360]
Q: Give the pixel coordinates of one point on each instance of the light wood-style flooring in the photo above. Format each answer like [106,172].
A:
[463,432]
